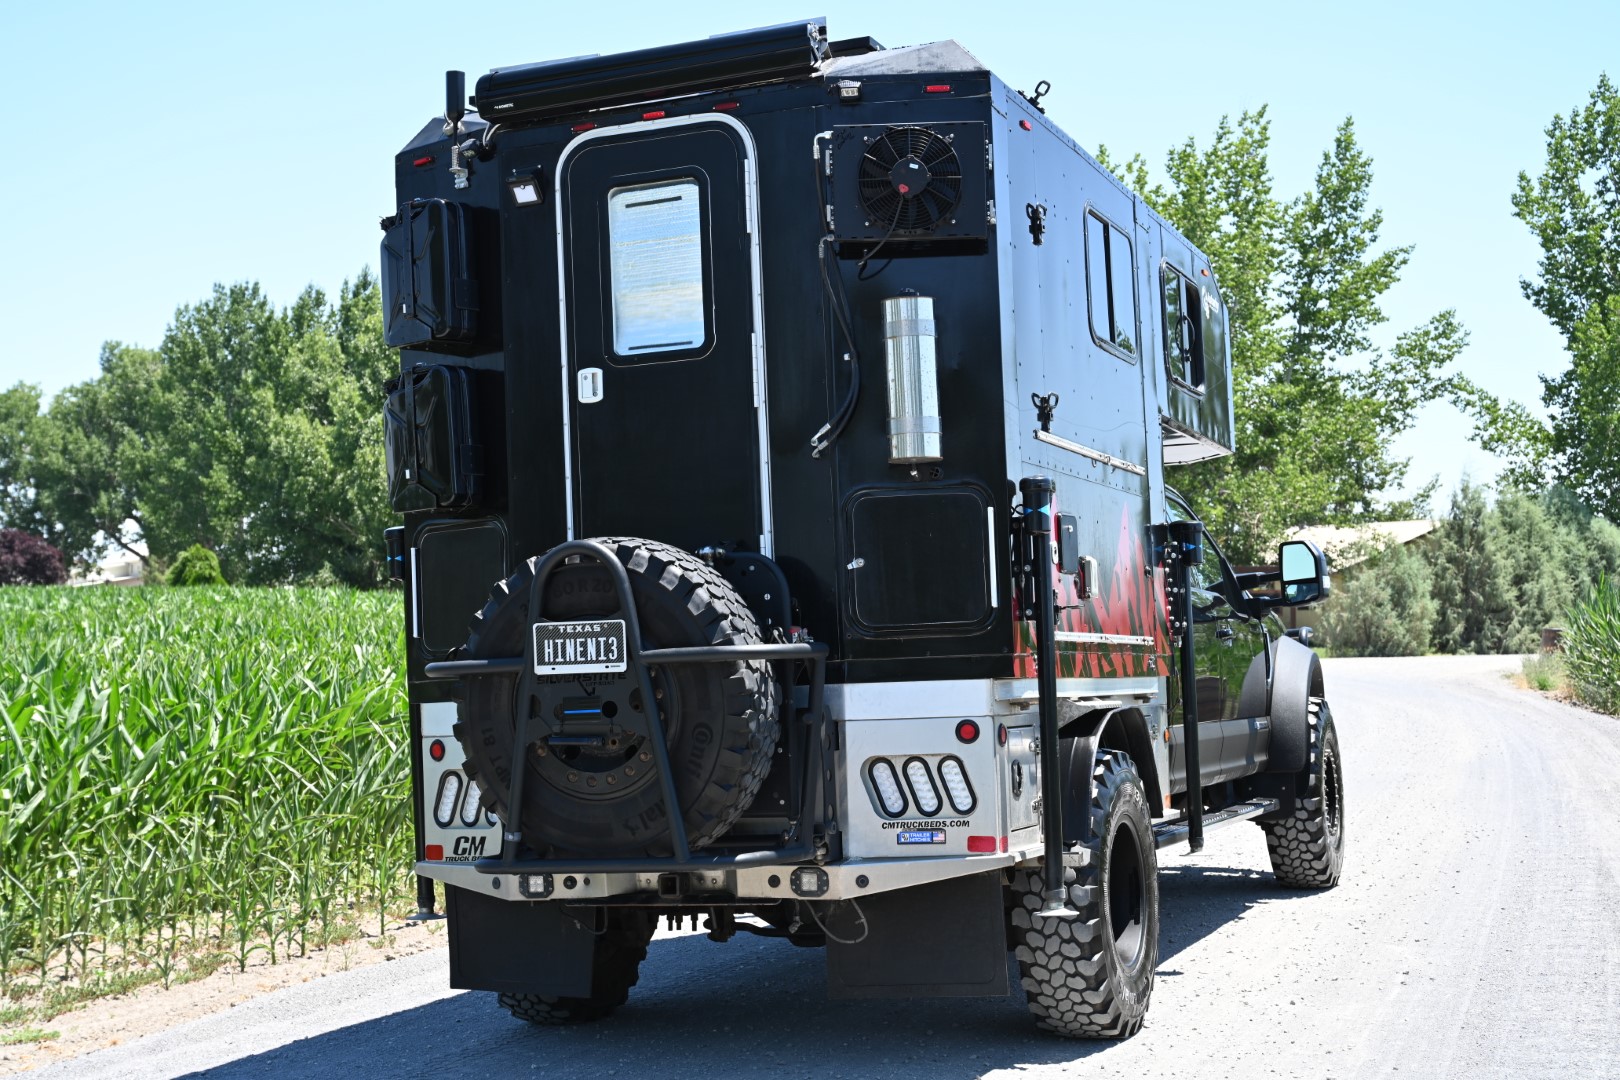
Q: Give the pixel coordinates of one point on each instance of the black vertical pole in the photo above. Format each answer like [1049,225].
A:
[1186,550]
[1037,492]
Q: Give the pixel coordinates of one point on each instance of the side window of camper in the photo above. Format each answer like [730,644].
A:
[655,242]
[1111,286]
[1185,338]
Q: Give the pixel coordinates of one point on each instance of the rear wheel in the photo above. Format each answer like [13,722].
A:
[1091,977]
[1307,847]
[620,949]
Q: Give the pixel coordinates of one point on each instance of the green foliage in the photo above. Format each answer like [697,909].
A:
[1384,609]
[1592,647]
[1473,587]
[1573,208]
[195,566]
[1317,406]
[250,431]
[188,770]
[1583,405]
[19,418]
[1546,672]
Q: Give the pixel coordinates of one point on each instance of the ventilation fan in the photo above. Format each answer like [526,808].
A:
[911,180]
[909,183]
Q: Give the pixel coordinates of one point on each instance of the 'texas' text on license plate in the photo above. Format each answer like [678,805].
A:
[570,648]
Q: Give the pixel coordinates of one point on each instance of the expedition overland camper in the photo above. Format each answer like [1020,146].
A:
[809,405]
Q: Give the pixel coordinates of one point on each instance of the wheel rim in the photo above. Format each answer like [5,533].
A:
[1127,896]
[1332,794]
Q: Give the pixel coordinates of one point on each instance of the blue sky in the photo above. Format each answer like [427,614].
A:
[158,148]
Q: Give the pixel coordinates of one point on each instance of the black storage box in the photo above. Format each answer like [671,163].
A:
[434,461]
[428,293]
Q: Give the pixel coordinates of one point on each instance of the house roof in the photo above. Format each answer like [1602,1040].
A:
[1347,545]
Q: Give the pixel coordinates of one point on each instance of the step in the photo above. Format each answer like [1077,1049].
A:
[1174,832]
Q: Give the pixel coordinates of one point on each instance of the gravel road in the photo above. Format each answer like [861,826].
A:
[1476,932]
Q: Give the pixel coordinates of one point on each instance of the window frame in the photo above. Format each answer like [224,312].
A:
[1172,347]
[1107,263]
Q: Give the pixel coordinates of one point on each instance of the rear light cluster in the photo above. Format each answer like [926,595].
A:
[457,802]
[912,784]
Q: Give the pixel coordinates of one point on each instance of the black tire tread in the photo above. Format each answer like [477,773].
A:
[617,968]
[1303,854]
[1061,961]
[750,689]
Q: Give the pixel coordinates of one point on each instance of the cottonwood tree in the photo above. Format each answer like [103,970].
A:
[1318,404]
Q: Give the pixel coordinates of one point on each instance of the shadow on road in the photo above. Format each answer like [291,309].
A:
[750,1007]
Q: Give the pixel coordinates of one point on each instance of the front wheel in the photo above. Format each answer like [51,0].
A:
[1091,977]
[1307,847]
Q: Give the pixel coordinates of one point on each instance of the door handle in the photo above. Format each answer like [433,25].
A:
[1225,633]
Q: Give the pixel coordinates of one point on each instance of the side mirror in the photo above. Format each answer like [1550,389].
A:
[1304,575]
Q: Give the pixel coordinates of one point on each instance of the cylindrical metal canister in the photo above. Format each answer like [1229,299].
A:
[908,352]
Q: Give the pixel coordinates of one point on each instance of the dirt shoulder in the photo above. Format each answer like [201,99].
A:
[110,1021]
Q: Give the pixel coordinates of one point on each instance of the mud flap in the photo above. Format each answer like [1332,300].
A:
[943,939]
[518,947]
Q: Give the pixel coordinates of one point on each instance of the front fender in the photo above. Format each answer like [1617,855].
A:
[1296,678]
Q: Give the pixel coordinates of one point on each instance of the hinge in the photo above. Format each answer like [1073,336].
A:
[989,157]
[990,211]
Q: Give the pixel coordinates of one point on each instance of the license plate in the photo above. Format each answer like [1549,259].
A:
[572,648]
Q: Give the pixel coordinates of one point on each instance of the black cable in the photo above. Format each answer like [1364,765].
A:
[839,302]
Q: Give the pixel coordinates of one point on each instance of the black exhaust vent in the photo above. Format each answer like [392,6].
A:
[908,183]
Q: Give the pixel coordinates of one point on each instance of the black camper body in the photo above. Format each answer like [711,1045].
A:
[858,339]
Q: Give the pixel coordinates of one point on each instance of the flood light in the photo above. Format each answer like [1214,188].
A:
[525,187]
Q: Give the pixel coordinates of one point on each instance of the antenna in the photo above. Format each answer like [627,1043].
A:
[455,98]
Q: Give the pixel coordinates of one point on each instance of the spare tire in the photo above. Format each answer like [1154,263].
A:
[720,719]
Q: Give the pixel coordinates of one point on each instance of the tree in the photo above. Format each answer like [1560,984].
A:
[1473,587]
[195,566]
[1573,208]
[19,422]
[88,455]
[25,559]
[1385,609]
[1318,406]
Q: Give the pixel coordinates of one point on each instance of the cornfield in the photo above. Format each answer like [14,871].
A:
[1592,647]
[195,776]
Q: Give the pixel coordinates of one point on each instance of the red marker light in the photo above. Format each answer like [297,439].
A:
[1026,125]
[938,88]
[727,106]
[1205,272]
[577,128]
[982,844]
[967,731]
[433,852]
[1004,845]
[1001,734]
[656,114]
[436,749]
[421,161]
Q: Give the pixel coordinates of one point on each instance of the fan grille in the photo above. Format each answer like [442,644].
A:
[921,211]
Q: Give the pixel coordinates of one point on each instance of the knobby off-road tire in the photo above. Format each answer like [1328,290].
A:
[619,952]
[1307,847]
[720,718]
[1091,977]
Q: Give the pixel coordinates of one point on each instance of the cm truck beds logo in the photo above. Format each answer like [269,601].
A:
[466,849]
[947,823]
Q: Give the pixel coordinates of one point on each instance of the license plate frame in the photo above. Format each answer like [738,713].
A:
[585,647]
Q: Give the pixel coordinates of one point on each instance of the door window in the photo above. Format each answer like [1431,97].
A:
[655,242]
